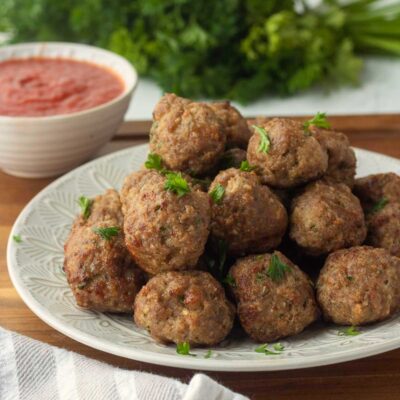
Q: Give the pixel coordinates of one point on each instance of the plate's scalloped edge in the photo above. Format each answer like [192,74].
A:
[213,364]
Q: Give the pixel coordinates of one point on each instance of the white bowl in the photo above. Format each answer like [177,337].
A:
[36,147]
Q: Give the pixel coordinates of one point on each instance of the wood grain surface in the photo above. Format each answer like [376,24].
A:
[371,378]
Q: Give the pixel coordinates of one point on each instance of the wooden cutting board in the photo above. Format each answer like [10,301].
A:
[371,378]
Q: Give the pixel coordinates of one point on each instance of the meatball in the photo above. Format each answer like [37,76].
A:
[184,306]
[341,157]
[163,230]
[274,297]
[384,228]
[374,188]
[187,135]
[232,158]
[235,126]
[293,158]
[100,270]
[248,216]
[326,217]
[359,285]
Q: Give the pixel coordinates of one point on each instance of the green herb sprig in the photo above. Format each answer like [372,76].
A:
[154,161]
[229,280]
[265,142]
[17,238]
[208,354]
[85,204]
[107,233]
[184,349]
[276,270]
[379,205]
[246,167]
[217,194]
[176,183]
[319,120]
[278,347]
[349,331]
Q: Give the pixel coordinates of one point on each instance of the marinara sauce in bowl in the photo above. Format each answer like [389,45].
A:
[59,103]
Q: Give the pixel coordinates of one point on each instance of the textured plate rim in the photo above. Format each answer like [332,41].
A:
[264,364]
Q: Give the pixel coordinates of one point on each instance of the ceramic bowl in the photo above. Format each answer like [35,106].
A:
[36,147]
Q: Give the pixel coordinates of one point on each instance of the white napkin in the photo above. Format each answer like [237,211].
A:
[31,370]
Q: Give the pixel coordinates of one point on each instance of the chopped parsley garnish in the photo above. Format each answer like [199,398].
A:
[217,193]
[319,121]
[181,299]
[184,349]
[349,278]
[230,280]
[108,232]
[208,354]
[276,270]
[278,347]
[246,167]
[379,205]
[154,161]
[265,143]
[349,331]
[176,183]
[17,238]
[85,204]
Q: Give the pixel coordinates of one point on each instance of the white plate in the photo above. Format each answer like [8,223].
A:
[35,267]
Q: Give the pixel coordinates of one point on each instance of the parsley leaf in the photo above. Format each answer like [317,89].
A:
[349,331]
[208,354]
[176,183]
[85,204]
[349,278]
[265,143]
[278,347]
[229,280]
[277,269]
[184,349]
[17,238]
[108,232]
[319,121]
[217,193]
[154,161]
[246,167]
[379,205]
[265,350]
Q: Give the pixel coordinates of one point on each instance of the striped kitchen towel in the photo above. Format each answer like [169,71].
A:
[31,370]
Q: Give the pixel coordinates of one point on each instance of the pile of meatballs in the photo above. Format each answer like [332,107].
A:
[223,225]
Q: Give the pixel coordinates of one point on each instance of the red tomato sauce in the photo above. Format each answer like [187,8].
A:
[36,87]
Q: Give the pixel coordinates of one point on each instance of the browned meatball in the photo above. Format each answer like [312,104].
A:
[293,158]
[187,306]
[249,217]
[235,126]
[163,231]
[341,157]
[384,228]
[187,135]
[232,158]
[374,188]
[326,217]
[272,305]
[100,272]
[359,285]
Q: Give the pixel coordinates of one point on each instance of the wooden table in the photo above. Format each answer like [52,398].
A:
[371,378]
